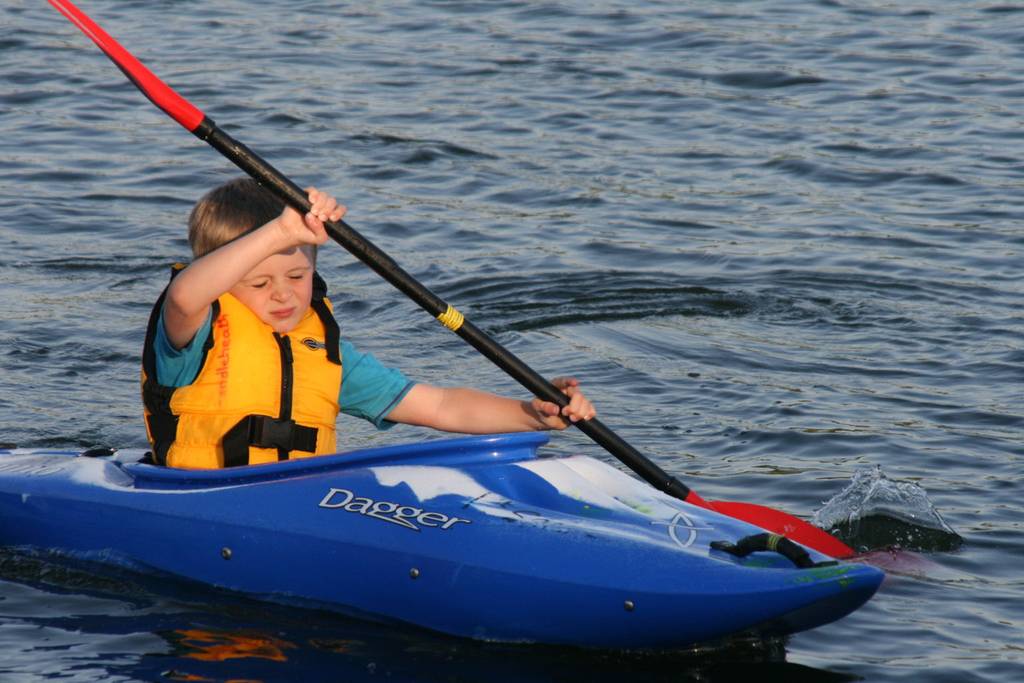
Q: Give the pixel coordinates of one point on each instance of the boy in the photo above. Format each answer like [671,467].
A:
[243,363]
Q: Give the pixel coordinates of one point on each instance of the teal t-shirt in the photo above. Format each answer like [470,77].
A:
[368,389]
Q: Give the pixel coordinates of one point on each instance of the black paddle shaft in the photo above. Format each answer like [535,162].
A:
[364,250]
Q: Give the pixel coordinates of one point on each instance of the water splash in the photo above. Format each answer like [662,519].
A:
[876,512]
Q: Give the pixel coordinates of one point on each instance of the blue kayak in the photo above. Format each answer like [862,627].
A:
[477,537]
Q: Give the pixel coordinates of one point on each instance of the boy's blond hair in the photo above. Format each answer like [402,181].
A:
[229,211]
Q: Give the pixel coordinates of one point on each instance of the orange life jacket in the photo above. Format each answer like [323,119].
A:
[259,396]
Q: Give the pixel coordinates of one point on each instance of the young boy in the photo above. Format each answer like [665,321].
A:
[243,363]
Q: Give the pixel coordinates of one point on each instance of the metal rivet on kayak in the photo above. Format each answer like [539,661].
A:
[414,573]
[629,605]
[225,553]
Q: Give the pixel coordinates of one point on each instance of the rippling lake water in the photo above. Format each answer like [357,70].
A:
[779,242]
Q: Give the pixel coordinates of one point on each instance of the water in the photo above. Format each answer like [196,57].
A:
[779,242]
[876,512]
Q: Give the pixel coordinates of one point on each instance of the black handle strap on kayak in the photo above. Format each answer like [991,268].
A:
[97,452]
[774,543]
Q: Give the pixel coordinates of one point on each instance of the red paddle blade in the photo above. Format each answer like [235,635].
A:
[778,522]
[158,92]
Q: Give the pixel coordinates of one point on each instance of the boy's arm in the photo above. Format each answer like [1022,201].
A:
[469,411]
[191,293]
[194,289]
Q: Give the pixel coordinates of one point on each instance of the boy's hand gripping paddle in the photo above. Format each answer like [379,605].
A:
[196,122]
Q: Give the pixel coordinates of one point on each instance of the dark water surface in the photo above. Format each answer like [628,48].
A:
[780,242]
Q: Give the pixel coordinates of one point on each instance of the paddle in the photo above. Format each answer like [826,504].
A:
[196,122]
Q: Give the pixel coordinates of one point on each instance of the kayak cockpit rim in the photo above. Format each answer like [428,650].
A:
[470,450]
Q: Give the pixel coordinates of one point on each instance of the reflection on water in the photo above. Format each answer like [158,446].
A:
[218,646]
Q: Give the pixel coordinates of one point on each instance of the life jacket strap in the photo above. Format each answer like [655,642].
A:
[162,423]
[332,334]
[263,431]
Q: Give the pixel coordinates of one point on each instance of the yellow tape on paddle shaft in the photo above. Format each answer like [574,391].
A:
[451,318]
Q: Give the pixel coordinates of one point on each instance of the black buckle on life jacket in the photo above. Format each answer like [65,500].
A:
[263,431]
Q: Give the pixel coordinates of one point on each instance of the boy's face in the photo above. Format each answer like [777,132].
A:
[278,290]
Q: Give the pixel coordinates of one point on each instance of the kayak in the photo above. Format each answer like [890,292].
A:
[479,537]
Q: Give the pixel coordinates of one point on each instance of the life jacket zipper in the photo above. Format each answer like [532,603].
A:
[287,380]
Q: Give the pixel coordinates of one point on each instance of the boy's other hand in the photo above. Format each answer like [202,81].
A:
[579,407]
